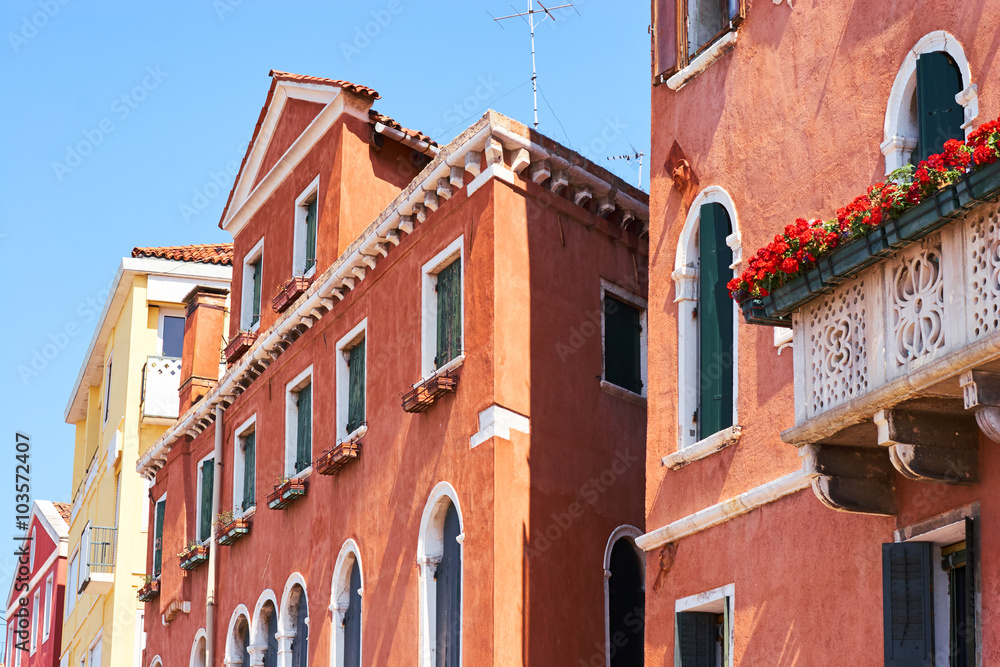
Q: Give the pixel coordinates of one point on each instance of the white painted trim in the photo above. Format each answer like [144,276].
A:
[197,524]
[232,649]
[630,533]
[620,293]
[685,276]
[726,510]
[256,631]
[718,49]
[291,416]
[157,661]
[340,598]
[704,602]
[783,338]
[495,170]
[200,636]
[246,287]
[430,546]
[239,464]
[49,598]
[900,130]
[428,323]
[498,421]
[699,450]
[286,627]
[347,342]
[302,202]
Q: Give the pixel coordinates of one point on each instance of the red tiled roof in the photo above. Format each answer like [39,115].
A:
[376,117]
[346,85]
[65,511]
[208,253]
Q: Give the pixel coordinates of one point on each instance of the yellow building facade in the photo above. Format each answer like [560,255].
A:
[125,395]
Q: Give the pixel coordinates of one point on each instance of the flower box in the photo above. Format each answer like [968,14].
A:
[754,312]
[192,557]
[289,292]
[241,342]
[983,184]
[424,395]
[149,590]
[286,493]
[233,531]
[337,457]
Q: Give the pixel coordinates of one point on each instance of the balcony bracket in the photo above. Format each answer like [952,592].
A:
[931,447]
[981,391]
[851,479]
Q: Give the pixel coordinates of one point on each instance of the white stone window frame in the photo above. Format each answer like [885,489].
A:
[610,289]
[72,582]
[286,624]
[340,596]
[901,129]
[944,530]
[428,321]
[714,601]
[623,532]
[197,530]
[157,661]
[310,194]
[258,630]
[163,314]
[347,343]
[232,654]
[685,276]
[239,465]
[199,637]
[49,597]
[430,549]
[255,255]
[291,422]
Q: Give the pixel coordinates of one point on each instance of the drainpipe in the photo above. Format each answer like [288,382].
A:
[214,543]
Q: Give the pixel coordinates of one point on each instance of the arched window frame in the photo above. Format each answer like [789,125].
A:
[340,597]
[629,533]
[200,636]
[286,624]
[258,630]
[430,548]
[899,132]
[233,656]
[157,661]
[685,276]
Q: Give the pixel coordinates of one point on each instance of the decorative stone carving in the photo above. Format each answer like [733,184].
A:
[837,349]
[851,479]
[930,447]
[981,393]
[916,303]
[983,272]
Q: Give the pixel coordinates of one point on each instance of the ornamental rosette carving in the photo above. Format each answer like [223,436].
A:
[917,296]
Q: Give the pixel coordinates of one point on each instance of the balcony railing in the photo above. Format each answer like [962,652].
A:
[98,564]
[160,382]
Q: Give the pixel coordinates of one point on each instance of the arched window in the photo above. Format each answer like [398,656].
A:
[347,593]
[266,632]
[707,252]
[155,662]
[932,100]
[199,650]
[293,631]
[238,638]
[625,596]
[440,558]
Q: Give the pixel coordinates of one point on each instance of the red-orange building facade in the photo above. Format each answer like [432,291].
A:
[763,113]
[462,350]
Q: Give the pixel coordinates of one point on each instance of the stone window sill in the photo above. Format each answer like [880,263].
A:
[624,394]
[718,49]
[699,450]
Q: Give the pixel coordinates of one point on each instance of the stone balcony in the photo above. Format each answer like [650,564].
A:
[160,383]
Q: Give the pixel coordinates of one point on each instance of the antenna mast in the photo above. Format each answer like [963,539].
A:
[634,155]
[530,20]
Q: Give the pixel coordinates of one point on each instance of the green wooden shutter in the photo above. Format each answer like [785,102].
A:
[696,639]
[356,386]
[161,506]
[249,470]
[311,225]
[448,589]
[940,117]
[207,479]
[303,450]
[300,642]
[907,604]
[352,621]
[255,270]
[449,313]
[622,354]
[715,322]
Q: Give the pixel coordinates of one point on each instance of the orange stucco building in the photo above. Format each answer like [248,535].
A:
[791,470]
[427,446]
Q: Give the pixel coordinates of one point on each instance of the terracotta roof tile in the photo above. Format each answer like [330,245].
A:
[346,85]
[65,511]
[208,253]
[376,117]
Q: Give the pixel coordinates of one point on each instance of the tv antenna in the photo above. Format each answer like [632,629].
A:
[629,157]
[529,18]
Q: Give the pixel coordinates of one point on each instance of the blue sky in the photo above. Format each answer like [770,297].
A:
[120,117]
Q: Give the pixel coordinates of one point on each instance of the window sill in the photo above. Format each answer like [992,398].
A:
[301,475]
[450,366]
[356,434]
[699,450]
[718,49]
[245,514]
[622,393]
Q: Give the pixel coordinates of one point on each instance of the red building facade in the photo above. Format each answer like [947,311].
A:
[34,609]
[764,113]
[427,447]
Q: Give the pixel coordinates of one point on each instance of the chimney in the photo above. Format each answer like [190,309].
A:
[203,331]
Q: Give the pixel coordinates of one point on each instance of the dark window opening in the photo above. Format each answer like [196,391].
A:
[449,313]
[255,275]
[303,434]
[173,336]
[356,386]
[448,590]
[249,470]
[352,621]
[626,606]
[622,349]
[300,613]
[715,322]
[939,115]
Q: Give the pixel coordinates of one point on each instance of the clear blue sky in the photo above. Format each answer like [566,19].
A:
[194,76]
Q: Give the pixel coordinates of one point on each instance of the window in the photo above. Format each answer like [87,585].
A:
[703,629]
[306,225]
[199,652]
[707,20]
[268,624]
[94,653]
[35,603]
[241,642]
[253,268]
[245,467]
[31,552]
[47,623]
[347,586]
[107,388]
[171,334]
[439,554]
[298,620]
[351,387]
[624,331]
[625,599]
[298,424]
[703,23]
[939,115]
[158,510]
[929,598]
[71,575]
[442,329]
[206,477]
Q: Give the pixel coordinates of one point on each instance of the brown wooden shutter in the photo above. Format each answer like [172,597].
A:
[664,39]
